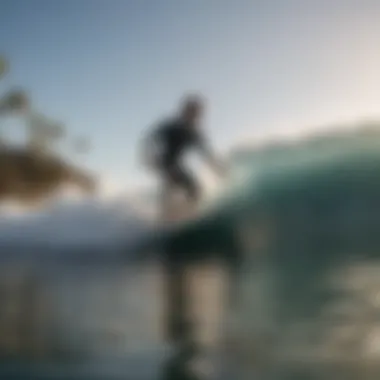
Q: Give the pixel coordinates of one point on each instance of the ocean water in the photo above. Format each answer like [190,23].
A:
[308,304]
[98,322]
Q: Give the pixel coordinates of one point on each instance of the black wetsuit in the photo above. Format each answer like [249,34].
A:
[175,138]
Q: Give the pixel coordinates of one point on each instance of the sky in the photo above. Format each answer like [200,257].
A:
[111,69]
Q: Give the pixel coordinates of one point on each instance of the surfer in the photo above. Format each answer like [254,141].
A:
[170,141]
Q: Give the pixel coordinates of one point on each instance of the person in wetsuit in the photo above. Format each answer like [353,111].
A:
[172,139]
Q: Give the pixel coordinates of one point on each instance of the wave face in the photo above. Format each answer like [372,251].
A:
[308,288]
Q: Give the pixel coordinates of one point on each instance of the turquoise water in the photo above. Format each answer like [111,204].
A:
[304,223]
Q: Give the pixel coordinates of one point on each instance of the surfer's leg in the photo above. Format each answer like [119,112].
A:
[192,190]
[177,177]
[189,184]
[172,181]
[166,196]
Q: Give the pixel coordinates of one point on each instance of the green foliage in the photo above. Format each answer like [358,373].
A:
[36,172]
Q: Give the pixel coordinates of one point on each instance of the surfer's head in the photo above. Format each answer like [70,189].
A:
[192,108]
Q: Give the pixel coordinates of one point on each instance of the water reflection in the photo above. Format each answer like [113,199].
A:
[63,316]
[340,338]
[83,312]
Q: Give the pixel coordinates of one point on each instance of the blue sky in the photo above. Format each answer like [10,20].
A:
[109,69]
